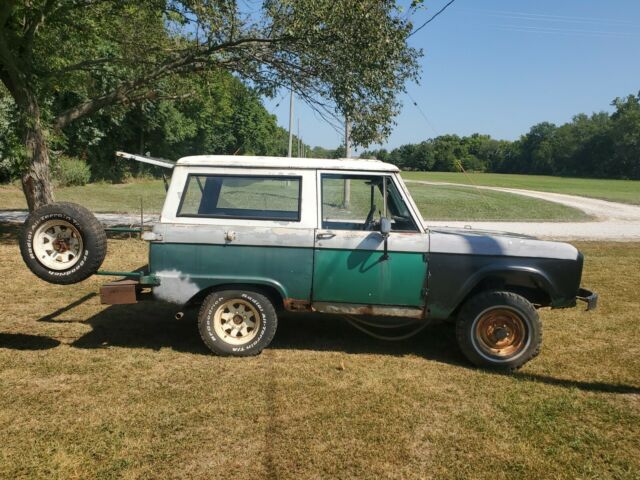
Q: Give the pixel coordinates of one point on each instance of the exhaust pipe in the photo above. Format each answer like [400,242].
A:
[179,315]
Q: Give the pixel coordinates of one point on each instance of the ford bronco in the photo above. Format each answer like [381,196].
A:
[246,237]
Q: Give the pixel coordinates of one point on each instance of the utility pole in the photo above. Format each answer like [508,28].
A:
[347,137]
[346,194]
[298,137]
[290,124]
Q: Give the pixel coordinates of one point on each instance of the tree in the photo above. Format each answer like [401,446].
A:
[222,116]
[338,55]
[625,136]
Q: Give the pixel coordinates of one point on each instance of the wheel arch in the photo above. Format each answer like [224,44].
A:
[274,291]
[529,282]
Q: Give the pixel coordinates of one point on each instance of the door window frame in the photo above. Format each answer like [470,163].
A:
[359,173]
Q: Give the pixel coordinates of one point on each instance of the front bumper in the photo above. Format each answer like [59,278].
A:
[589,297]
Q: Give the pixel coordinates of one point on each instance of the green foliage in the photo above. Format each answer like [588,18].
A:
[12,152]
[599,146]
[71,172]
[219,116]
[80,57]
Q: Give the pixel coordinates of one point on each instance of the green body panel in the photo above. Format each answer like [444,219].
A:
[289,270]
[361,276]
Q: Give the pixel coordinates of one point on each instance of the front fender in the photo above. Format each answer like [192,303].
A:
[452,278]
[526,274]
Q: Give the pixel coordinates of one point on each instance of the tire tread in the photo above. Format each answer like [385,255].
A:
[485,300]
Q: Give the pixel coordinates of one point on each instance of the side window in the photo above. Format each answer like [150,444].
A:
[356,202]
[241,196]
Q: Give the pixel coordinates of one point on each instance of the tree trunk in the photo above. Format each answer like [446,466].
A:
[36,180]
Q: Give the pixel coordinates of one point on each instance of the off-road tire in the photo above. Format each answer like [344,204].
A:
[483,305]
[217,343]
[94,242]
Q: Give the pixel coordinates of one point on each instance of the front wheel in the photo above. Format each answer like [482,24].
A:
[499,330]
[237,323]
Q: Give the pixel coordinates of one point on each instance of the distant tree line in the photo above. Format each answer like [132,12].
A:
[602,145]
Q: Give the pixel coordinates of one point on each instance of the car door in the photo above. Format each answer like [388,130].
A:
[350,265]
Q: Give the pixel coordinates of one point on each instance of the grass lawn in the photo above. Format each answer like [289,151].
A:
[435,202]
[95,391]
[98,197]
[626,191]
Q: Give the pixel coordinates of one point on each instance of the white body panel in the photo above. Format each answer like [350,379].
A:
[178,180]
[275,163]
[470,243]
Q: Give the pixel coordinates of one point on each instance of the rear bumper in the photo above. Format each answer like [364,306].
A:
[589,297]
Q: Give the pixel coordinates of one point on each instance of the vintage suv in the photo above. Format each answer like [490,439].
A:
[245,237]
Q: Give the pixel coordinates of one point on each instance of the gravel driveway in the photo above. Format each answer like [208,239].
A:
[615,221]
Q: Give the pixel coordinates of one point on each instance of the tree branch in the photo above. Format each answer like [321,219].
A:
[190,61]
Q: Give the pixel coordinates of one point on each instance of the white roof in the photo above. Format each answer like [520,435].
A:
[284,162]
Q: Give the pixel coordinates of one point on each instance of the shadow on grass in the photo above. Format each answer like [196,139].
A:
[9,233]
[151,325]
[23,341]
[580,385]
[332,333]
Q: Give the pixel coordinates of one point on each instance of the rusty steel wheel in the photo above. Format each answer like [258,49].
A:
[499,330]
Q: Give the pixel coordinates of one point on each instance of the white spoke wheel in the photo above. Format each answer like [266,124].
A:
[57,244]
[63,243]
[237,322]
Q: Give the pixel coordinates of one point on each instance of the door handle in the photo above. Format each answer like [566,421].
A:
[325,235]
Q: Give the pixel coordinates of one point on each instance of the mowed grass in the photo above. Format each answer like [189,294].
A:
[435,202]
[98,197]
[446,202]
[625,191]
[95,391]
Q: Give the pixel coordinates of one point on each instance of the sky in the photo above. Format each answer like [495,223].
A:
[500,66]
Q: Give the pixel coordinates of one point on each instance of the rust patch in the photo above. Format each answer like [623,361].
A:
[371,310]
[121,292]
[296,305]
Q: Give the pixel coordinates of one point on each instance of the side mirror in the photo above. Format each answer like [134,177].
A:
[385,226]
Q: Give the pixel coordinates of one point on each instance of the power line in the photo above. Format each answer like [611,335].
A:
[424,115]
[431,19]
[273,109]
[457,162]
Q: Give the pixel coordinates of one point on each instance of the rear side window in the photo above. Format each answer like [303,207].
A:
[241,196]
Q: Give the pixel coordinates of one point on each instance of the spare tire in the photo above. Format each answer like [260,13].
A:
[63,243]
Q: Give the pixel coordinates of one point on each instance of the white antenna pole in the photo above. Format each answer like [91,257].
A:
[298,135]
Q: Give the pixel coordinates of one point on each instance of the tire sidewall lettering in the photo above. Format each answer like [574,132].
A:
[57,216]
[209,320]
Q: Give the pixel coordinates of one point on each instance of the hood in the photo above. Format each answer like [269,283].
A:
[476,231]
[467,241]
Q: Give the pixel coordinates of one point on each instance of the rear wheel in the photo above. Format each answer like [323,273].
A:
[236,322]
[63,243]
[499,330]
